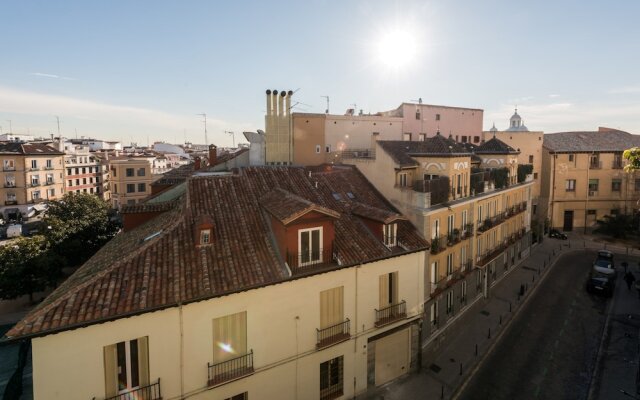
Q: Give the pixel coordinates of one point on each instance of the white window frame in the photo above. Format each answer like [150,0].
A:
[320,243]
[449,265]
[402,179]
[317,149]
[205,236]
[390,234]
[450,302]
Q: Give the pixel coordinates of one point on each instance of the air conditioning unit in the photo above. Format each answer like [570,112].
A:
[592,193]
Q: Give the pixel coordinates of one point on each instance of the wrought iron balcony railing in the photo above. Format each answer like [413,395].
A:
[229,370]
[595,164]
[392,313]
[438,244]
[333,334]
[149,392]
[304,261]
[10,202]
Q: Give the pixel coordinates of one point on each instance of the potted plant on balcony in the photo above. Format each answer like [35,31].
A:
[435,245]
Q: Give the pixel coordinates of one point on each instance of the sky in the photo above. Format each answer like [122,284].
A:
[142,71]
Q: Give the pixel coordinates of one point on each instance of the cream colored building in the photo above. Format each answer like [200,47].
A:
[277,123]
[130,179]
[246,288]
[478,224]
[583,178]
[31,173]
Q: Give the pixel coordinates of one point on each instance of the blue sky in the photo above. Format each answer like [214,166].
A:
[141,70]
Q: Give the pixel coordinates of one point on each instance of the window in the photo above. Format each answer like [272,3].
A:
[115,188]
[205,236]
[615,211]
[571,157]
[141,172]
[418,114]
[229,337]
[9,165]
[35,195]
[535,175]
[616,185]
[406,137]
[479,279]
[77,182]
[434,313]
[593,186]
[317,149]
[637,185]
[70,182]
[476,139]
[310,246]
[51,193]
[84,181]
[617,160]
[436,229]
[332,307]
[570,185]
[390,232]
[35,180]
[388,284]
[449,264]
[77,171]
[594,161]
[450,224]
[437,117]
[327,148]
[126,366]
[129,172]
[68,171]
[402,180]
[450,302]
[131,188]
[113,171]
[464,219]
[331,379]
[241,396]
[142,187]
[34,164]
[591,212]
[84,170]
[49,178]
[422,137]
[530,159]
[463,291]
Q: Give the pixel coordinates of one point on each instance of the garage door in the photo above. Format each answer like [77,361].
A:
[392,356]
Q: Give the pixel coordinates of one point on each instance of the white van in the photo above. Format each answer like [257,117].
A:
[14,231]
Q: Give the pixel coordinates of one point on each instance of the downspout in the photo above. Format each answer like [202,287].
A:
[355,342]
[552,190]
[181,351]
[586,201]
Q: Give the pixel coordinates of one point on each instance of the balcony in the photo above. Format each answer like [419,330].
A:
[466,266]
[36,200]
[467,231]
[300,263]
[438,244]
[230,370]
[595,164]
[34,169]
[391,314]
[149,392]
[47,183]
[9,184]
[49,168]
[34,184]
[357,153]
[437,188]
[617,164]
[6,168]
[491,254]
[453,237]
[10,202]
[333,334]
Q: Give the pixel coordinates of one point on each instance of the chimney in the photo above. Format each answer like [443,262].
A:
[213,155]
[274,102]
[268,102]
[288,102]
[281,103]
[197,163]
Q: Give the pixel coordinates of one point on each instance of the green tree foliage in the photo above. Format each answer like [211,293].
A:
[523,171]
[617,226]
[500,177]
[21,267]
[633,155]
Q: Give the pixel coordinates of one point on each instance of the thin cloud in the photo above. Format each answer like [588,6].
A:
[625,90]
[42,74]
[553,96]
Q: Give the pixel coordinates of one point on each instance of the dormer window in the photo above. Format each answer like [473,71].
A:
[310,246]
[205,236]
[390,232]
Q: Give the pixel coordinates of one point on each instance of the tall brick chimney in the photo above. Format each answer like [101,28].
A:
[197,164]
[213,155]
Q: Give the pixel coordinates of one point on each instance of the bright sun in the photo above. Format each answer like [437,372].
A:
[396,49]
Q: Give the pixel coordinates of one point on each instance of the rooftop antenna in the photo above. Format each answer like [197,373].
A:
[10,128]
[58,121]
[206,140]
[233,137]
[76,129]
[327,110]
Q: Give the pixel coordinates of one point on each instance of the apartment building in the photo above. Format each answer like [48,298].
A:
[130,179]
[471,206]
[84,171]
[31,173]
[583,178]
[266,283]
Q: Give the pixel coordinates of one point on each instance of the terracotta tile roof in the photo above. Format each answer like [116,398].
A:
[146,207]
[495,146]
[228,156]
[439,146]
[287,207]
[28,149]
[176,175]
[606,140]
[158,264]
[374,213]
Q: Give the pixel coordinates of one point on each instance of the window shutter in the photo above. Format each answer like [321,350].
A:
[143,360]
[229,337]
[331,307]
[384,290]
[110,370]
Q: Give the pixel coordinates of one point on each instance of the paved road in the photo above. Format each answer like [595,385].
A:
[550,349]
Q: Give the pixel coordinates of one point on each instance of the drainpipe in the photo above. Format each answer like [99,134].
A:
[181,351]
[586,202]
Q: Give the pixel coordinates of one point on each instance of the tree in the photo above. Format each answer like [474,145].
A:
[78,225]
[615,225]
[633,155]
[523,171]
[20,273]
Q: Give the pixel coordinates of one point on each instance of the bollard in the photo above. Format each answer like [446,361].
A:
[489,335]
[584,243]
[533,278]
[538,271]
[501,320]
[476,349]
[442,392]
[544,264]
[509,306]
[460,369]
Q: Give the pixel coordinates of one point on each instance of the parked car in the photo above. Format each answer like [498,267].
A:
[605,255]
[556,234]
[604,267]
[602,285]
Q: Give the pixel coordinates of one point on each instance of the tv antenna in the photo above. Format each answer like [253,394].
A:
[206,140]
[233,137]
[58,121]
[327,110]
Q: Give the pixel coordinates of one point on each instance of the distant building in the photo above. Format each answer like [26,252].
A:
[84,171]
[31,173]
[131,178]
[583,178]
[16,137]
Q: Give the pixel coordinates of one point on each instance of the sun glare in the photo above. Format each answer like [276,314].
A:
[396,49]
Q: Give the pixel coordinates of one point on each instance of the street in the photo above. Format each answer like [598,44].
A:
[550,349]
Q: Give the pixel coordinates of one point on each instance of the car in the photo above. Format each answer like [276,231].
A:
[556,234]
[605,255]
[602,285]
[604,267]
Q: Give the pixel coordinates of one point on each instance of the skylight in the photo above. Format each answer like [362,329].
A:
[351,195]
[152,236]
[337,196]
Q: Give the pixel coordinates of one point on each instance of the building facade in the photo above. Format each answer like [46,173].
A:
[583,178]
[325,308]
[130,179]
[84,171]
[31,173]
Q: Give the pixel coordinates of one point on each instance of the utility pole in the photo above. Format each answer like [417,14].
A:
[327,110]
[206,140]
[233,137]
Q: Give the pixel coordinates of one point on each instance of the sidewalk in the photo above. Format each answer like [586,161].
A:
[453,356]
